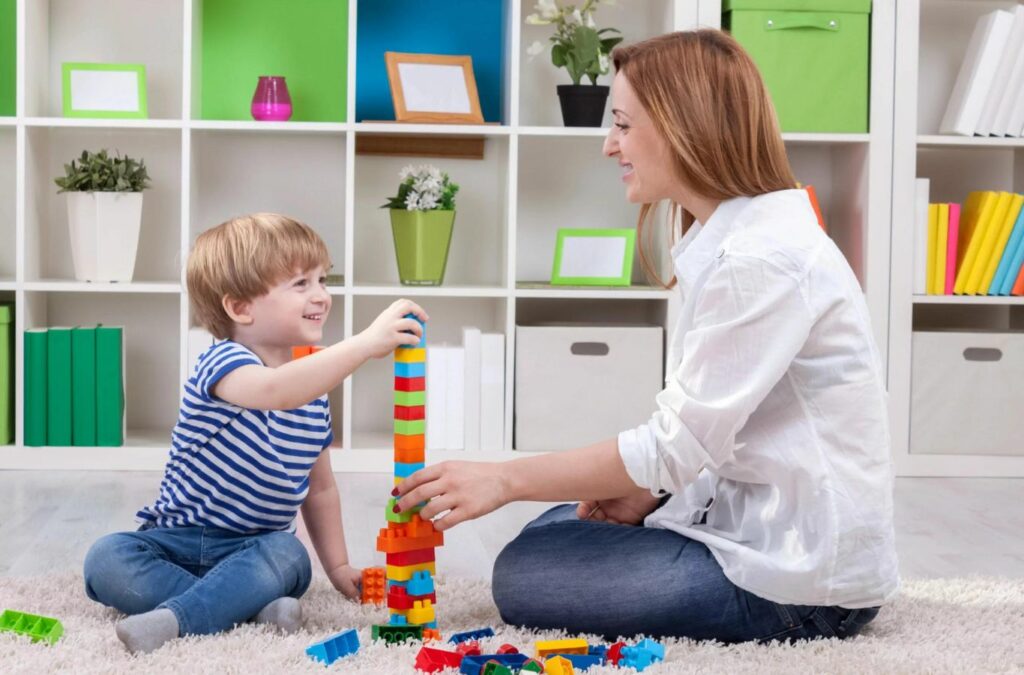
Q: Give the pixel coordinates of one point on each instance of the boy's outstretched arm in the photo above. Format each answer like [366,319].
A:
[322,513]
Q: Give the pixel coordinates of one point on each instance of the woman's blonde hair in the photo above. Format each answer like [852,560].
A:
[243,258]
[706,97]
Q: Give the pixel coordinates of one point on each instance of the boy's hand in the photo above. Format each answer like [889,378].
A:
[347,579]
[391,329]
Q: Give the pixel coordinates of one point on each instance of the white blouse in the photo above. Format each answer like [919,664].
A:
[771,434]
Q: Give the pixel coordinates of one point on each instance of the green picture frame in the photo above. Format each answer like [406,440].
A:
[94,96]
[593,257]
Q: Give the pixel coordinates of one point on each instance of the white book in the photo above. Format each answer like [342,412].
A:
[471,392]
[455,400]
[1014,82]
[1014,124]
[199,340]
[492,391]
[437,378]
[999,90]
[977,73]
[921,188]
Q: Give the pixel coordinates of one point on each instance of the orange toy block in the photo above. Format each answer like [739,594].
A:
[417,456]
[374,585]
[431,634]
[410,442]
[402,537]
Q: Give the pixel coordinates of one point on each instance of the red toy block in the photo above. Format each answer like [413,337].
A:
[410,412]
[402,537]
[418,456]
[410,441]
[615,653]
[416,557]
[399,598]
[410,383]
[431,660]
[507,649]
[468,648]
[374,584]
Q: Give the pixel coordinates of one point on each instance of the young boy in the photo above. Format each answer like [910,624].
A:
[218,546]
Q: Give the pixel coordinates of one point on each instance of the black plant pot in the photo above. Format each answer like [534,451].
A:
[582,104]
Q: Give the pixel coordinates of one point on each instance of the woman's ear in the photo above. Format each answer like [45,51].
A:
[238,310]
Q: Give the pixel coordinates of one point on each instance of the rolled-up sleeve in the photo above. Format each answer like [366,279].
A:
[750,320]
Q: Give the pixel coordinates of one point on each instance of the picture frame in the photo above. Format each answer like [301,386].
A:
[104,90]
[593,257]
[433,88]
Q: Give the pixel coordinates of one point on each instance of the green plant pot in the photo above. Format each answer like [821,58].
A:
[422,239]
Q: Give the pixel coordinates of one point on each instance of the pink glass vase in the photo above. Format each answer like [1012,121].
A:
[271,102]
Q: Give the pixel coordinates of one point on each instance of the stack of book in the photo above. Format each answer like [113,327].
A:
[74,386]
[988,97]
[6,373]
[974,250]
[466,393]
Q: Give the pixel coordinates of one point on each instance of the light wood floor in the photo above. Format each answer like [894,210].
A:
[944,527]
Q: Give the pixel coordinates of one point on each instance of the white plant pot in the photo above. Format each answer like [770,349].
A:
[104,230]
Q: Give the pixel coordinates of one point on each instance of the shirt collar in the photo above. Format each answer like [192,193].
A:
[694,252]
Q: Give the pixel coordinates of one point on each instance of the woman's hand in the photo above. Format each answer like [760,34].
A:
[466,490]
[628,510]
[347,579]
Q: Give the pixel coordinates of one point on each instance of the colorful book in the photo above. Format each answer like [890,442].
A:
[1016,257]
[977,225]
[109,386]
[1008,253]
[58,386]
[988,245]
[952,241]
[941,241]
[83,386]
[6,374]
[35,387]
[933,241]
[1005,230]
[1018,285]
[968,220]
[921,186]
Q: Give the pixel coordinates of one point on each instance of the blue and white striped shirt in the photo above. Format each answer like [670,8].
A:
[233,468]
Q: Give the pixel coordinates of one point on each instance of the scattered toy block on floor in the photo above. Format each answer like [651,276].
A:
[558,665]
[431,660]
[614,654]
[468,648]
[494,668]
[34,626]
[335,647]
[545,648]
[507,649]
[473,665]
[471,635]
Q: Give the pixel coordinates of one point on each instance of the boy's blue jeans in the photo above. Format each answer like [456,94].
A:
[210,578]
[617,580]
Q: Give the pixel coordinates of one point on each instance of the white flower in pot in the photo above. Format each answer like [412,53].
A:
[104,214]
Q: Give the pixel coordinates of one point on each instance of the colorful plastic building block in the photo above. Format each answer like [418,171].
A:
[410,369]
[614,654]
[410,355]
[410,384]
[652,646]
[639,658]
[335,647]
[422,583]
[472,635]
[583,661]
[410,412]
[34,626]
[598,650]
[532,666]
[405,470]
[507,649]
[399,598]
[431,660]
[423,339]
[545,648]
[405,572]
[431,634]
[374,585]
[411,398]
[401,518]
[468,648]
[422,612]
[558,665]
[409,456]
[492,667]
[396,634]
[423,555]
[473,665]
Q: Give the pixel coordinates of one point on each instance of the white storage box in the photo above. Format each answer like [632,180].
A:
[967,390]
[576,385]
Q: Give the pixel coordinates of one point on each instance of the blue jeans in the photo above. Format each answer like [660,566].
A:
[210,578]
[620,581]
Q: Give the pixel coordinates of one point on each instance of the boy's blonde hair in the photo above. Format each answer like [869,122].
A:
[243,258]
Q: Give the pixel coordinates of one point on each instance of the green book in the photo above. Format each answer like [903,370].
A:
[58,386]
[109,385]
[83,386]
[35,386]
[6,374]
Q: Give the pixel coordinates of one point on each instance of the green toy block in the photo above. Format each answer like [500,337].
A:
[404,516]
[410,398]
[495,668]
[532,666]
[396,634]
[410,427]
[36,627]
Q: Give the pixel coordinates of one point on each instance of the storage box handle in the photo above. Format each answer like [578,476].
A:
[802,20]
[589,348]
[983,354]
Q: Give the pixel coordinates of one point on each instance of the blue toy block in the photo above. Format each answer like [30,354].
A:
[423,340]
[583,661]
[474,665]
[639,657]
[654,647]
[404,469]
[469,634]
[398,620]
[335,647]
[420,584]
[410,369]
[598,650]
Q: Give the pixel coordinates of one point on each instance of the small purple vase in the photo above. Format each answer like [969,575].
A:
[271,102]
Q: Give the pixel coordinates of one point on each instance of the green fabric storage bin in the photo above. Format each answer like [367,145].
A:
[813,56]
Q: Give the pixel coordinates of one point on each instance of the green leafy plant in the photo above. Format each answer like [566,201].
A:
[577,45]
[99,172]
[423,188]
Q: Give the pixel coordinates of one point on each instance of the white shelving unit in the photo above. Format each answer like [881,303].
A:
[931,41]
[536,176]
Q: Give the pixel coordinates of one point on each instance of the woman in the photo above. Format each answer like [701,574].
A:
[763,480]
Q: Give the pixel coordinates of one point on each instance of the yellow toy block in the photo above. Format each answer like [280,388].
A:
[422,612]
[410,355]
[558,665]
[405,572]
[544,648]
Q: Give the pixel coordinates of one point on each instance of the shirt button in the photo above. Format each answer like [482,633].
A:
[720,253]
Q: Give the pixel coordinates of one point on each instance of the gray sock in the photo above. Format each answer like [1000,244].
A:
[143,633]
[285,613]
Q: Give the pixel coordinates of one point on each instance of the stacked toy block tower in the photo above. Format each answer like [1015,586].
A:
[408,541]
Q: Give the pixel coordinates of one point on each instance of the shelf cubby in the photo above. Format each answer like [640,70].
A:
[8,199]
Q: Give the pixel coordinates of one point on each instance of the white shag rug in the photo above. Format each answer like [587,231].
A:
[973,625]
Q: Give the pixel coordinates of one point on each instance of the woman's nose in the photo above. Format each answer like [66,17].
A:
[611,144]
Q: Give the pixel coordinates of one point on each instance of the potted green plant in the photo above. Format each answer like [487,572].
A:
[104,214]
[582,49]
[422,218]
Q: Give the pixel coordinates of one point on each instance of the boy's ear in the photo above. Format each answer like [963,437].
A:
[238,310]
